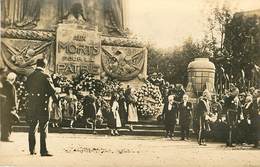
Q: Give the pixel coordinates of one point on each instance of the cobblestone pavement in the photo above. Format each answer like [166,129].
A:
[124,151]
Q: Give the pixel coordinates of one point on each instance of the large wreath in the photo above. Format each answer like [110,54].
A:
[149,100]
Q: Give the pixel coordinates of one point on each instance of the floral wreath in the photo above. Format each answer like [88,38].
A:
[149,100]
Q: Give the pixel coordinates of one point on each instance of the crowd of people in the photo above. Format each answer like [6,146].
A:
[48,101]
[88,109]
[233,117]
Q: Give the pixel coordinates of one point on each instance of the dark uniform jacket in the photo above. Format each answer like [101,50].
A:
[232,109]
[247,110]
[255,118]
[90,109]
[40,87]
[255,109]
[203,108]
[185,113]
[170,116]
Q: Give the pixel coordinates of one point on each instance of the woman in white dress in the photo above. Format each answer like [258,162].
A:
[131,109]
[115,121]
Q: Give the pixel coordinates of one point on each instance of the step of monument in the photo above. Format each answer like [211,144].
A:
[22,123]
[139,125]
[104,131]
[140,122]
[146,126]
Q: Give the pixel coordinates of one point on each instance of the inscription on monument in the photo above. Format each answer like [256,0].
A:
[77,50]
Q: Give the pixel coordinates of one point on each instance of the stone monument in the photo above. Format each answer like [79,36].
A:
[74,35]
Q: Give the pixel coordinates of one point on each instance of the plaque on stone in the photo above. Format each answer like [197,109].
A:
[77,50]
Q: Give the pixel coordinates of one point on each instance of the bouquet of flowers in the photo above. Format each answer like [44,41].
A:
[111,85]
[149,100]
[87,82]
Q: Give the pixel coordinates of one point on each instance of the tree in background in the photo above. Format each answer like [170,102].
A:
[234,42]
[242,43]
[173,63]
[218,20]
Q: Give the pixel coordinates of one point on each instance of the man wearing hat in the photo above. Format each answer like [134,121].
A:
[40,87]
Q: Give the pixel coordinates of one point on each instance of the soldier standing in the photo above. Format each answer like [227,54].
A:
[203,109]
[40,88]
[233,110]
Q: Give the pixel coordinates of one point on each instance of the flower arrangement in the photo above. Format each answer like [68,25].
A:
[149,100]
[111,85]
[21,94]
[87,82]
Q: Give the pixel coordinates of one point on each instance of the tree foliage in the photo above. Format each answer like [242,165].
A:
[234,41]
[173,63]
[242,43]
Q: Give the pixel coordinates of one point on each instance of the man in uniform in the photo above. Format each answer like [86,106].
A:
[233,110]
[255,118]
[203,109]
[40,88]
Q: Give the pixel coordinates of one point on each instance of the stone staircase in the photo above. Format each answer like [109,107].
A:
[142,128]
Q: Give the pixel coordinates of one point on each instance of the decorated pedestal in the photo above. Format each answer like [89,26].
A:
[75,37]
[72,49]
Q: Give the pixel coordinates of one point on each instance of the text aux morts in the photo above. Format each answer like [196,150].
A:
[77,56]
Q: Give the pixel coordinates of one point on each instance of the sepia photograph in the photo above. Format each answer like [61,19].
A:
[130,83]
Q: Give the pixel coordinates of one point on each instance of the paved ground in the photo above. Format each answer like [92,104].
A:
[88,150]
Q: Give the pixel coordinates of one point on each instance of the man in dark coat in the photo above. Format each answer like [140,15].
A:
[255,119]
[169,113]
[203,109]
[185,116]
[90,110]
[179,92]
[40,87]
[9,92]
[233,109]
